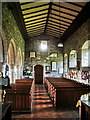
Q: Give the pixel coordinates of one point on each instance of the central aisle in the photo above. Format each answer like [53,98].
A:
[43,108]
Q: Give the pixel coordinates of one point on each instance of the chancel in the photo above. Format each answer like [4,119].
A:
[45,60]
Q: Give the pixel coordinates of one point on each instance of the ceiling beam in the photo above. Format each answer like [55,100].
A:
[25,3]
[61,20]
[48,33]
[58,23]
[35,7]
[36,31]
[17,13]
[50,25]
[57,26]
[35,19]
[36,27]
[73,3]
[57,33]
[67,8]
[35,12]
[62,17]
[53,28]
[80,19]
[64,12]
[35,16]
[49,11]
[35,23]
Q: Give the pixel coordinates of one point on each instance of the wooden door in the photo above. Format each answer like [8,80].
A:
[38,73]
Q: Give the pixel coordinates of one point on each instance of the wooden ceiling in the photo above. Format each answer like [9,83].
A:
[52,18]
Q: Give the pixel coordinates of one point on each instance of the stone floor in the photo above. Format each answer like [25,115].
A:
[43,109]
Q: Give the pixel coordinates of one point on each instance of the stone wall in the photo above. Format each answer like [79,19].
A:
[11,36]
[76,41]
[42,57]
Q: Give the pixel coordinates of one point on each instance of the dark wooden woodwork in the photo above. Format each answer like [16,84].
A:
[58,24]
[21,95]
[16,11]
[79,20]
[35,23]
[63,12]
[64,92]
[35,7]
[38,74]
[6,111]
[49,11]
[66,8]
[35,16]
[85,111]
[73,3]
[35,11]
[60,20]
[61,16]
[36,19]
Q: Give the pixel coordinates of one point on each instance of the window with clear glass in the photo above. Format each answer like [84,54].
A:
[73,59]
[54,66]
[65,63]
[44,45]
[86,54]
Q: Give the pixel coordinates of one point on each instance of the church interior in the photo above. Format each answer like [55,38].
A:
[45,60]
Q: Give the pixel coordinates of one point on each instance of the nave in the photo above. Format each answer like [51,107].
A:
[42,108]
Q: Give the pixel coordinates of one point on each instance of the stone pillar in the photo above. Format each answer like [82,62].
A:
[21,71]
[1,66]
[18,72]
[11,73]
[79,57]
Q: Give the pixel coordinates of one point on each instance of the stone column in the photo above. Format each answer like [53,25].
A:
[79,57]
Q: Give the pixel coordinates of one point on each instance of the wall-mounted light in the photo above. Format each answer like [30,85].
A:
[60,45]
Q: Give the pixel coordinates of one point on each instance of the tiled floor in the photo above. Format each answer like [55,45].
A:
[42,108]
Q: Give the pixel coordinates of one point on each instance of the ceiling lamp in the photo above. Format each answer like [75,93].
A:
[60,45]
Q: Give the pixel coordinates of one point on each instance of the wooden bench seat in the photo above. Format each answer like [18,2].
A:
[64,94]
[21,96]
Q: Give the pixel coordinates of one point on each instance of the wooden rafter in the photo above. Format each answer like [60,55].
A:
[49,11]
[35,7]
[67,8]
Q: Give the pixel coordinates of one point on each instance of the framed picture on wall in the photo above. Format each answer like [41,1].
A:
[47,68]
[32,54]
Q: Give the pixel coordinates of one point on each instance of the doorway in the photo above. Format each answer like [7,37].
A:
[38,74]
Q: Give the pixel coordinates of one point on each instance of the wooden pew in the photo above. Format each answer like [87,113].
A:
[20,95]
[64,93]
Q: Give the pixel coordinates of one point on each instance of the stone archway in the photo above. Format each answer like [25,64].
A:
[19,64]
[11,61]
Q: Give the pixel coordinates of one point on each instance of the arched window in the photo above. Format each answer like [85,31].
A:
[73,59]
[65,63]
[11,60]
[86,54]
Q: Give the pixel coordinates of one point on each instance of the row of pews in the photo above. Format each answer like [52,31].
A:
[21,94]
[64,92]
